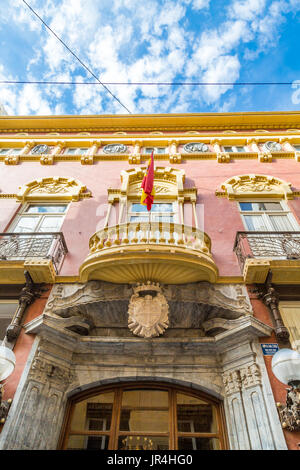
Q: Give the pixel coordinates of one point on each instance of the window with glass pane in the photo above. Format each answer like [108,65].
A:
[10,151]
[160,212]
[76,150]
[234,148]
[40,218]
[267,216]
[144,418]
[157,150]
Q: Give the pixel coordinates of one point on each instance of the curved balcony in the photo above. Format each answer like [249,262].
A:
[157,251]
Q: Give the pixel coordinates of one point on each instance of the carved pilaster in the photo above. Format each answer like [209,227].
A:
[246,405]
[232,382]
[46,372]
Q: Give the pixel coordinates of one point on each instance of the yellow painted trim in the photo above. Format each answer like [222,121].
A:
[152,122]
[258,186]
[52,189]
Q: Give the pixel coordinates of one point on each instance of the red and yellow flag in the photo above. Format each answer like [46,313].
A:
[148,192]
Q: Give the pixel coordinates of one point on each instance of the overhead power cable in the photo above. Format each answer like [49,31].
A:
[80,61]
[53,82]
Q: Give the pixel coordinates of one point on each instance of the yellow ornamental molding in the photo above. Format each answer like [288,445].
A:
[168,182]
[51,189]
[258,186]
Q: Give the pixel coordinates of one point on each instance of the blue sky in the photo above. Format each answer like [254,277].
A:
[153,40]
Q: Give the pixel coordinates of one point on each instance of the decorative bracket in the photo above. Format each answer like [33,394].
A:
[270,298]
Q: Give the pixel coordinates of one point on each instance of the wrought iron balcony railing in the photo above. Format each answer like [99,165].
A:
[271,245]
[21,246]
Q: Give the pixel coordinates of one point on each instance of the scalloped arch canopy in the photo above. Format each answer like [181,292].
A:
[53,189]
[256,186]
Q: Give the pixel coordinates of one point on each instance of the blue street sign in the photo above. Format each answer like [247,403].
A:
[269,349]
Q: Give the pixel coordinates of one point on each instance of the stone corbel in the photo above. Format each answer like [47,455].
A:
[265,157]
[285,142]
[270,298]
[58,148]
[216,146]
[297,156]
[95,145]
[26,149]
[47,159]
[135,157]
[174,156]
[12,160]
[28,294]
[87,159]
[223,157]
[253,145]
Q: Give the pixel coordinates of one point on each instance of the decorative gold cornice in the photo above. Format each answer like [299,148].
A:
[152,122]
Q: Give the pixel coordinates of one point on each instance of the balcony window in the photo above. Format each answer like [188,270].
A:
[160,212]
[235,149]
[35,233]
[155,150]
[267,216]
[40,218]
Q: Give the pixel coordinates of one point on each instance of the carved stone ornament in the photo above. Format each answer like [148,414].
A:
[271,146]
[289,414]
[115,148]
[40,149]
[195,147]
[148,311]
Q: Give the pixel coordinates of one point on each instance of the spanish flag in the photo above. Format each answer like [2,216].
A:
[148,192]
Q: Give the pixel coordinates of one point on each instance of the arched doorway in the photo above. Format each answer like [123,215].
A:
[143,416]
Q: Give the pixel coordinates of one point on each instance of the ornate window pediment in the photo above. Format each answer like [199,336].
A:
[168,183]
[53,188]
[258,186]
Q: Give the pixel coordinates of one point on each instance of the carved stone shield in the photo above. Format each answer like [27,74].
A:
[148,315]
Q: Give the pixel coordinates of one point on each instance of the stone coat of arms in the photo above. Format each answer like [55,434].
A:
[148,311]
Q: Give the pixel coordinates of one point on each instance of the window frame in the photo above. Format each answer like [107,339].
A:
[174,212]
[11,151]
[22,213]
[78,150]
[155,150]
[286,211]
[234,148]
[114,433]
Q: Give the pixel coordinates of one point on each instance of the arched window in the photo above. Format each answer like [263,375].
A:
[143,416]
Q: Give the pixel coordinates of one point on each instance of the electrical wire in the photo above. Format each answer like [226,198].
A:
[37,82]
[80,61]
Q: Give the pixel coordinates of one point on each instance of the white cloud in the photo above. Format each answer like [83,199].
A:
[134,41]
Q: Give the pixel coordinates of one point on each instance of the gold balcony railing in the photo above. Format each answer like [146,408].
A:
[157,251]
